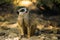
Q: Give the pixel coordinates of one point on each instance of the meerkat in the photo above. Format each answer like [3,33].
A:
[23,20]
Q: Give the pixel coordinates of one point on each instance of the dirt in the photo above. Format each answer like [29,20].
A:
[9,33]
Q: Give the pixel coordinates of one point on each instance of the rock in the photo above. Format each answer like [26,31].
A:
[2,34]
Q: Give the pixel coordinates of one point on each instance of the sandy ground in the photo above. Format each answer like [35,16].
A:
[10,32]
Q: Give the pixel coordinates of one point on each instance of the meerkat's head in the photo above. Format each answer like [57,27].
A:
[22,10]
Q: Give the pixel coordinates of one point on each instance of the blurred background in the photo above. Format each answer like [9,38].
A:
[48,10]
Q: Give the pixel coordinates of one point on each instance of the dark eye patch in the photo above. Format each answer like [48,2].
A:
[22,10]
[17,12]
